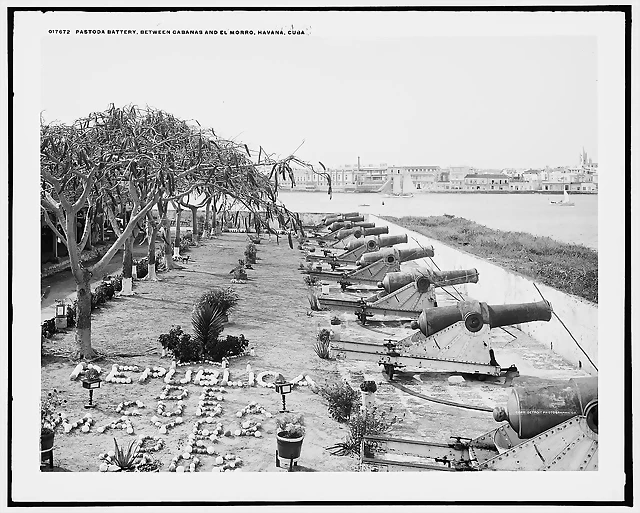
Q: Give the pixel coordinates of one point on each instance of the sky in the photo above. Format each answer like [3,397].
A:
[394,96]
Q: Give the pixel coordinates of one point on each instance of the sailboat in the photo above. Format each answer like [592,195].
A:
[398,186]
[564,202]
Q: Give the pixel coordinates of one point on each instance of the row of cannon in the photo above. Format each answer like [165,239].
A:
[454,337]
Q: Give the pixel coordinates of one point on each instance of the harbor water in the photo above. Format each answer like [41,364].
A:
[531,213]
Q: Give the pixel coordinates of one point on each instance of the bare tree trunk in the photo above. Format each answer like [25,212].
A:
[176,243]
[207,218]
[168,256]
[127,264]
[194,222]
[83,318]
[152,232]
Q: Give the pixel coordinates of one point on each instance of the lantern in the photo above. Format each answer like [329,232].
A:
[283,388]
[91,381]
[61,315]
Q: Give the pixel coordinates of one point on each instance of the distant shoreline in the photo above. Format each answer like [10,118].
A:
[452,191]
[570,268]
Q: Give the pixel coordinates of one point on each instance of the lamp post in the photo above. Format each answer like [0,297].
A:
[91,381]
[61,315]
[283,388]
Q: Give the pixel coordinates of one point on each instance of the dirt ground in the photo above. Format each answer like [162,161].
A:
[273,313]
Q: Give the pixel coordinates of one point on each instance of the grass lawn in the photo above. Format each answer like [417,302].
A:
[571,268]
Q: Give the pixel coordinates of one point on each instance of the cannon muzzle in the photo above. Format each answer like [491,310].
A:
[426,278]
[531,410]
[374,243]
[475,314]
[392,255]
[339,217]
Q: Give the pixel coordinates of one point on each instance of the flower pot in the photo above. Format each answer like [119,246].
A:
[368,400]
[46,445]
[289,448]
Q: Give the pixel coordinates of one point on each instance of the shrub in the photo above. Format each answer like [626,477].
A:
[311,280]
[50,417]
[71,313]
[225,347]
[240,274]
[208,324]
[323,345]
[290,426]
[362,423]
[224,298]
[100,295]
[142,267]
[109,289]
[170,341]
[117,282]
[126,460]
[342,400]
[184,245]
[250,253]
[335,321]
[48,328]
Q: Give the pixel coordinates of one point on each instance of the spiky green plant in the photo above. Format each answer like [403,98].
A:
[323,345]
[225,298]
[208,323]
[125,460]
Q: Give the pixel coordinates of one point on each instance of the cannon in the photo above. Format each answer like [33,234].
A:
[352,223]
[404,294]
[382,262]
[553,427]
[335,228]
[356,248]
[449,339]
[338,217]
[345,236]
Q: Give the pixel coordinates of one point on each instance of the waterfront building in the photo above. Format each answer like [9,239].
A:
[524,185]
[423,177]
[486,182]
[457,175]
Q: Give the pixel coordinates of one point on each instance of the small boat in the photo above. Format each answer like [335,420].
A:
[364,205]
[564,202]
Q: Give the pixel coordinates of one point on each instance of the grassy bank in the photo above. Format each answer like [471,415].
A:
[570,268]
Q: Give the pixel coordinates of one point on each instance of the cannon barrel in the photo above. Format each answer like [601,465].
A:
[381,241]
[338,217]
[350,224]
[475,314]
[531,410]
[392,254]
[424,278]
[359,232]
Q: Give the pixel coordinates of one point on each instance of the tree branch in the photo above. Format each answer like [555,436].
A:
[99,267]
[53,227]
[77,206]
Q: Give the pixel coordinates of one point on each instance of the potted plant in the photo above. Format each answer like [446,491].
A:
[50,419]
[289,435]
[367,391]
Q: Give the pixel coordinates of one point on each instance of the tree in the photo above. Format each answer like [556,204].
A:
[86,163]
[145,157]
